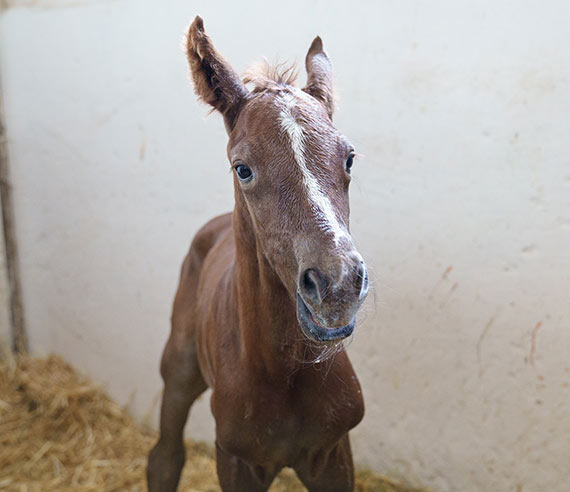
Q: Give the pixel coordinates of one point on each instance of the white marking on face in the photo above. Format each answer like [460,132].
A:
[325,213]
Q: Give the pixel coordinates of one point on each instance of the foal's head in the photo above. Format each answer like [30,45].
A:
[292,170]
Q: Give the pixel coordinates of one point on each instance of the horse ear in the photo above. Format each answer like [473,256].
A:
[319,72]
[215,81]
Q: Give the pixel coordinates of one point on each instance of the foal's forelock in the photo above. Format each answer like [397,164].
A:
[292,125]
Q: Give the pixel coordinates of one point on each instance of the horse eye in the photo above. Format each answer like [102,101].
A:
[349,162]
[243,172]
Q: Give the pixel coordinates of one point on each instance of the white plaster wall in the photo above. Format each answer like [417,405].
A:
[461,207]
[5,322]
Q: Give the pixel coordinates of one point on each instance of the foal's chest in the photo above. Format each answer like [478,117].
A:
[263,424]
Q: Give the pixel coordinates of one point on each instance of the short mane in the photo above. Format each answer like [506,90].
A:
[265,76]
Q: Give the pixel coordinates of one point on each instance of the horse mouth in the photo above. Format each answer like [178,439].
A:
[313,327]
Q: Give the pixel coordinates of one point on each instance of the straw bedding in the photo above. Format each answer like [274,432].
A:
[59,432]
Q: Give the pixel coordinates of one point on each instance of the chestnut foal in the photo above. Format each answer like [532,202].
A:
[263,287]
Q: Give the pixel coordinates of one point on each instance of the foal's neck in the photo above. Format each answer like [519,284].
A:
[272,342]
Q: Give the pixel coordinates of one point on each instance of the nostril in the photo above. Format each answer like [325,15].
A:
[363,279]
[311,284]
[308,282]
[360,278]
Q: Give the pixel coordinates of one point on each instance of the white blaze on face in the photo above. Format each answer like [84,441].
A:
[325,214]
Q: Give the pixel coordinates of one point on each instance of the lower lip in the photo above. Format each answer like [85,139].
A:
[317,330]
